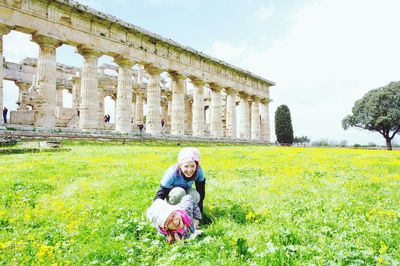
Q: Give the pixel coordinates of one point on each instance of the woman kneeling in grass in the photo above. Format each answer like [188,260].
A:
[176,222]
[179,178]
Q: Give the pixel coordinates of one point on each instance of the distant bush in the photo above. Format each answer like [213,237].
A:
[320,143]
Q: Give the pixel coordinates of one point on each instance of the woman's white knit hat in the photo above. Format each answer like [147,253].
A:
[188,154]
[159,211]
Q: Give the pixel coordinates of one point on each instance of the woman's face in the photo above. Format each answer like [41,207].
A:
[188,168]
[174,221]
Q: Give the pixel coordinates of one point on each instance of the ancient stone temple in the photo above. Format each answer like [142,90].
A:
[203,97]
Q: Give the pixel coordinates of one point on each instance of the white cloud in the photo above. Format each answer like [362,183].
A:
[335,52]
[263,13]
[226,51]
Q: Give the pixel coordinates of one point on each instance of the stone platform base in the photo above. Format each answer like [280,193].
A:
[31,133]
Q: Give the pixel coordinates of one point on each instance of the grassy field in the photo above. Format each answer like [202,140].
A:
[264,206]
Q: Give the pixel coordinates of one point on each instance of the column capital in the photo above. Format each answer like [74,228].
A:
[87,51]
[22,85]
[177,76]
[123,61]
[75,79]
[243,94]
[60,86]
[152,70]
[230,91]
[215,87]
[197,82]
[45,41]
[265,101]
[255,99]
[167,94]
[4,29]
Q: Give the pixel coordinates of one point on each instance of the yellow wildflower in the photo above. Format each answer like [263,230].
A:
[384,248]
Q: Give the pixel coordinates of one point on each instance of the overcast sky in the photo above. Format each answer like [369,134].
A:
[323,55]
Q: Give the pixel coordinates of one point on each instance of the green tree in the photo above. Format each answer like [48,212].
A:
[301,140]
[283,125]
[378,110]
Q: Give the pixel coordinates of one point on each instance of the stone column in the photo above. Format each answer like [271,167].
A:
[230,113]
[45,101]
[188,116]
[59,95]
[101,111]
[133,113]
[139,109]
[3,31]
[244,129]
[178,104]
[169,110]
[215,111]
[22,91]
[255,118]
[89,102]
[153,119]
[164,111]
[198,108]
[265,127]
[76,85]
[124,96]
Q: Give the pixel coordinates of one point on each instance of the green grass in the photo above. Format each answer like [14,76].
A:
[264,206]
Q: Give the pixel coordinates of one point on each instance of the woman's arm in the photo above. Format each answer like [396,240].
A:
[162,193]
[201,188]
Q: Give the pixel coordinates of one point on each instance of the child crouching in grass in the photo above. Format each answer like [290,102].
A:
[176,222]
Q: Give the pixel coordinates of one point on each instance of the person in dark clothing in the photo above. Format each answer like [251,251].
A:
[107,118]
[140,126]
[5,112]
[179,178]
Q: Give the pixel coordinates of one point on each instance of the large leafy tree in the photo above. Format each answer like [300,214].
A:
[378,110]
[283,125]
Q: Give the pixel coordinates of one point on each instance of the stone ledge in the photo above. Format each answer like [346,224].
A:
[57,134]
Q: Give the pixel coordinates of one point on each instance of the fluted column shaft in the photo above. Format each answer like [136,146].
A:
[244,130]
[45,107]
[230,113]
[153,119]
[164,111]
[124,96]
[178,105]
[59,96]
[139,109]
[215,112]
[89,103]
[198,108]
[188,116]
[133,111]
[255,119]
[76,84]
[3,31]
[265,126]
[101,108]
[22,90]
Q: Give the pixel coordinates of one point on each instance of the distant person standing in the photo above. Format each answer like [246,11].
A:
[5,112]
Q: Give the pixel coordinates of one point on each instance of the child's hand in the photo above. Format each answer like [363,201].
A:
[170,238]
[177,237]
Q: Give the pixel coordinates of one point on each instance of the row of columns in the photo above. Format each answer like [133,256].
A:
[87,98]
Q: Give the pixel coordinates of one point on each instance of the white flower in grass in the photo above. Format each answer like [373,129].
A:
[271,248]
